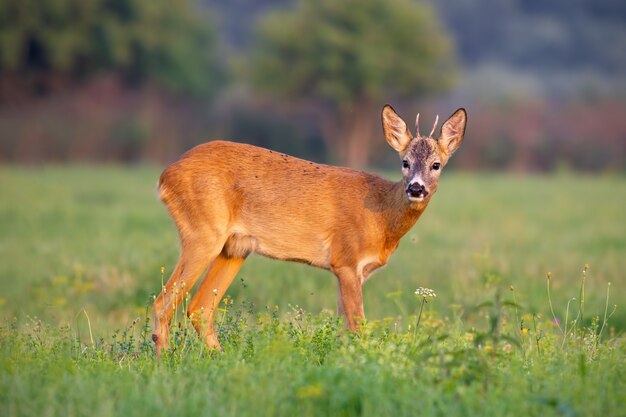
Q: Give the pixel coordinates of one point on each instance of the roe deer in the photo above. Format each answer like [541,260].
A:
[229,200]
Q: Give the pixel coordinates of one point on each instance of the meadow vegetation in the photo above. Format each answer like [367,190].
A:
[523,322]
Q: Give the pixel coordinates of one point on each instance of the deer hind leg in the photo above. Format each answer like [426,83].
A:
[209,295]
[350,297]
[195,257]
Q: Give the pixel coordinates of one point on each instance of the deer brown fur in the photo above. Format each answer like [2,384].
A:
[230,199]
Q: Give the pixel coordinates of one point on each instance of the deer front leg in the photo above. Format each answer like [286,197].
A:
[350,297]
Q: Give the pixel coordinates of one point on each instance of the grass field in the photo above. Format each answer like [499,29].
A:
[81,250]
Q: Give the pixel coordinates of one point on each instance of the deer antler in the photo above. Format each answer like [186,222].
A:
[434,127]
[417,125]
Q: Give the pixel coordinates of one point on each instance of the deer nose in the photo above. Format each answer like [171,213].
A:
[416,189]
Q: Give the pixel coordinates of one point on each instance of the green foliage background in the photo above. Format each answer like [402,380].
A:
[170,44]
[344,52]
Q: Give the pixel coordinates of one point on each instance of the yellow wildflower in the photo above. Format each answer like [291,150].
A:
[310,391]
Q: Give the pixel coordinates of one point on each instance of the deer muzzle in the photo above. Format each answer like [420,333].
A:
[416,190]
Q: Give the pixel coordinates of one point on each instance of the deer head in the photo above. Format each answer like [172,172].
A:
[423,157]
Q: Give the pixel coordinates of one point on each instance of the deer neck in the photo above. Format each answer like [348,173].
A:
[400,214]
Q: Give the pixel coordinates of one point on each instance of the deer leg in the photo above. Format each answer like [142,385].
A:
[340,311]
[193,260]
[350,302]
[209,295]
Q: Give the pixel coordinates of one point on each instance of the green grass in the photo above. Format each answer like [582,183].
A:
[85,243]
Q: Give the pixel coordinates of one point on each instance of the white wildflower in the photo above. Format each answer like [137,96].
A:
[425,292]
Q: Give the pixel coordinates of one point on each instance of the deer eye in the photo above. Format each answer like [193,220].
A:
[436,166]
[405,164]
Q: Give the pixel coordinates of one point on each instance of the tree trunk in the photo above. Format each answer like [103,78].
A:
[349,136]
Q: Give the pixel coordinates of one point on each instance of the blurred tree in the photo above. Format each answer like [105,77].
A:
[46,43]
[349,55]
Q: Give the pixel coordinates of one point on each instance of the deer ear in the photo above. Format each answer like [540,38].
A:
[452,132]
[395,130]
